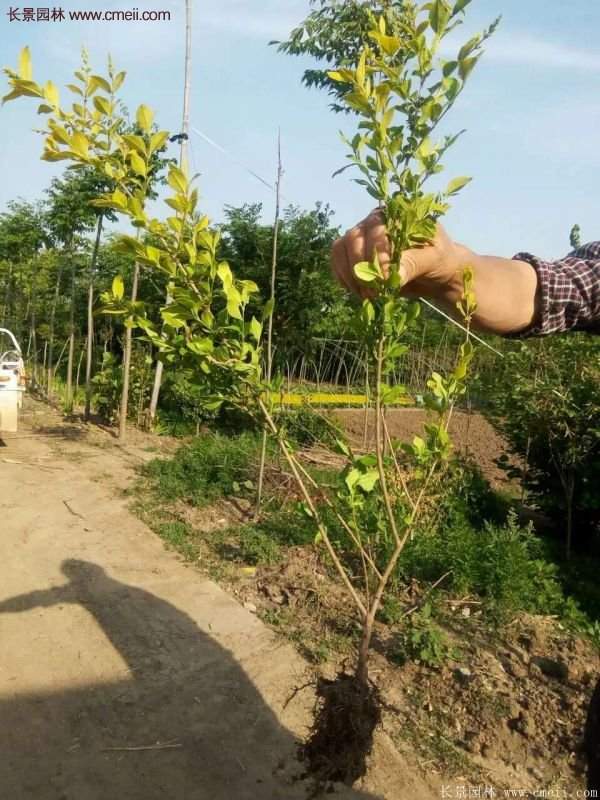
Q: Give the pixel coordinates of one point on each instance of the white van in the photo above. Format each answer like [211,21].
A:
[12,381]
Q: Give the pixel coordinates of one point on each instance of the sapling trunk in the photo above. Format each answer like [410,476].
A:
[33,322]
[183,164]
[51,332]
[69,392]
[90,320]
[127,361]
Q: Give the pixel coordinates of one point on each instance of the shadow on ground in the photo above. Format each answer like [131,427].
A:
[67,432]
[185,690]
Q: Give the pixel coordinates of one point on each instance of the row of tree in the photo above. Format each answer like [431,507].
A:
[57,258]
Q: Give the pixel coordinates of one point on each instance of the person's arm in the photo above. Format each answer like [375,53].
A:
[506,290]
[519,296]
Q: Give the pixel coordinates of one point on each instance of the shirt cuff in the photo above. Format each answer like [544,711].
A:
[568,293]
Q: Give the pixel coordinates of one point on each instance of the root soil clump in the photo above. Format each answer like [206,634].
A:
[348,712]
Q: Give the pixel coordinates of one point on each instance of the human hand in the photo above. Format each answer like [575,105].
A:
[433,270]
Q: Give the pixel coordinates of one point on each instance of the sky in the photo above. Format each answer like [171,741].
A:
[531,110]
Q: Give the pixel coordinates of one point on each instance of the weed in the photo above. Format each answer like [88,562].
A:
[249,544]
[306,427]
[210,467]
[179,536]
[422,641]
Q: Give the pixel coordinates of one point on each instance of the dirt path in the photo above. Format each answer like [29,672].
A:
[108,642]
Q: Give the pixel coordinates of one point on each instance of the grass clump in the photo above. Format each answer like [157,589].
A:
[422,640]
[306,427]
[264,542]
[178,536]
[209,467]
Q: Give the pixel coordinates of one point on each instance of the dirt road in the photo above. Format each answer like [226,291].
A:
[124,674]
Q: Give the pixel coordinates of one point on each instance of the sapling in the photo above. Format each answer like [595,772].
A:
[400,94]
[401,90]
[93,133]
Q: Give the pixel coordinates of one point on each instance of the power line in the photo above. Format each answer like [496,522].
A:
[233,159]
[270,186]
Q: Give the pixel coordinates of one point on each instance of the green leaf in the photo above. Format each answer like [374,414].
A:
[392,394]
[368,480]
[80,144]
[118,81]
[352,478]
[200,345]
[268,309]
[118,199]
[342,447]
[233,302]
[366,272]
[158,140]
[459,6]
[225,275]
[25,69]
[449,68]
[179,203]
[172,320]
[138,165]
[144,117]
[439,14]
[469,46]
[177,180]
[102,105]
[456,184]
[465,66]
[51,94]
[96,82]
[389,44]
[135,142]
[118,287]
[255,329]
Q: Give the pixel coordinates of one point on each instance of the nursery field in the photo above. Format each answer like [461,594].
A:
[291,512]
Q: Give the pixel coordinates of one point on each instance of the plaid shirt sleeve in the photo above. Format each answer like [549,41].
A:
[569,291]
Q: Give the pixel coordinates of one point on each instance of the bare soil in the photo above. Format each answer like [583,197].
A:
[472,435]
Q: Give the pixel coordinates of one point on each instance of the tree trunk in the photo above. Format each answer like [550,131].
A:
[50,372]
[69,395]
[5,307]
[127,362]
[33,323]
[183,159]
[7,298]
[90,322]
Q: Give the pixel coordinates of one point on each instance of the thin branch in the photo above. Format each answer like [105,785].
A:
[314,511]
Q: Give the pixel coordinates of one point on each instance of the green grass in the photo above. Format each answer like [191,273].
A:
[486,552]
[180,537]
[209,467]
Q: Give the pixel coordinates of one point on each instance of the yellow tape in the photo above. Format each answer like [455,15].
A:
[318,399]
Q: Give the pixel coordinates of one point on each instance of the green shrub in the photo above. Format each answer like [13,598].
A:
[544,400]
[505,564]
